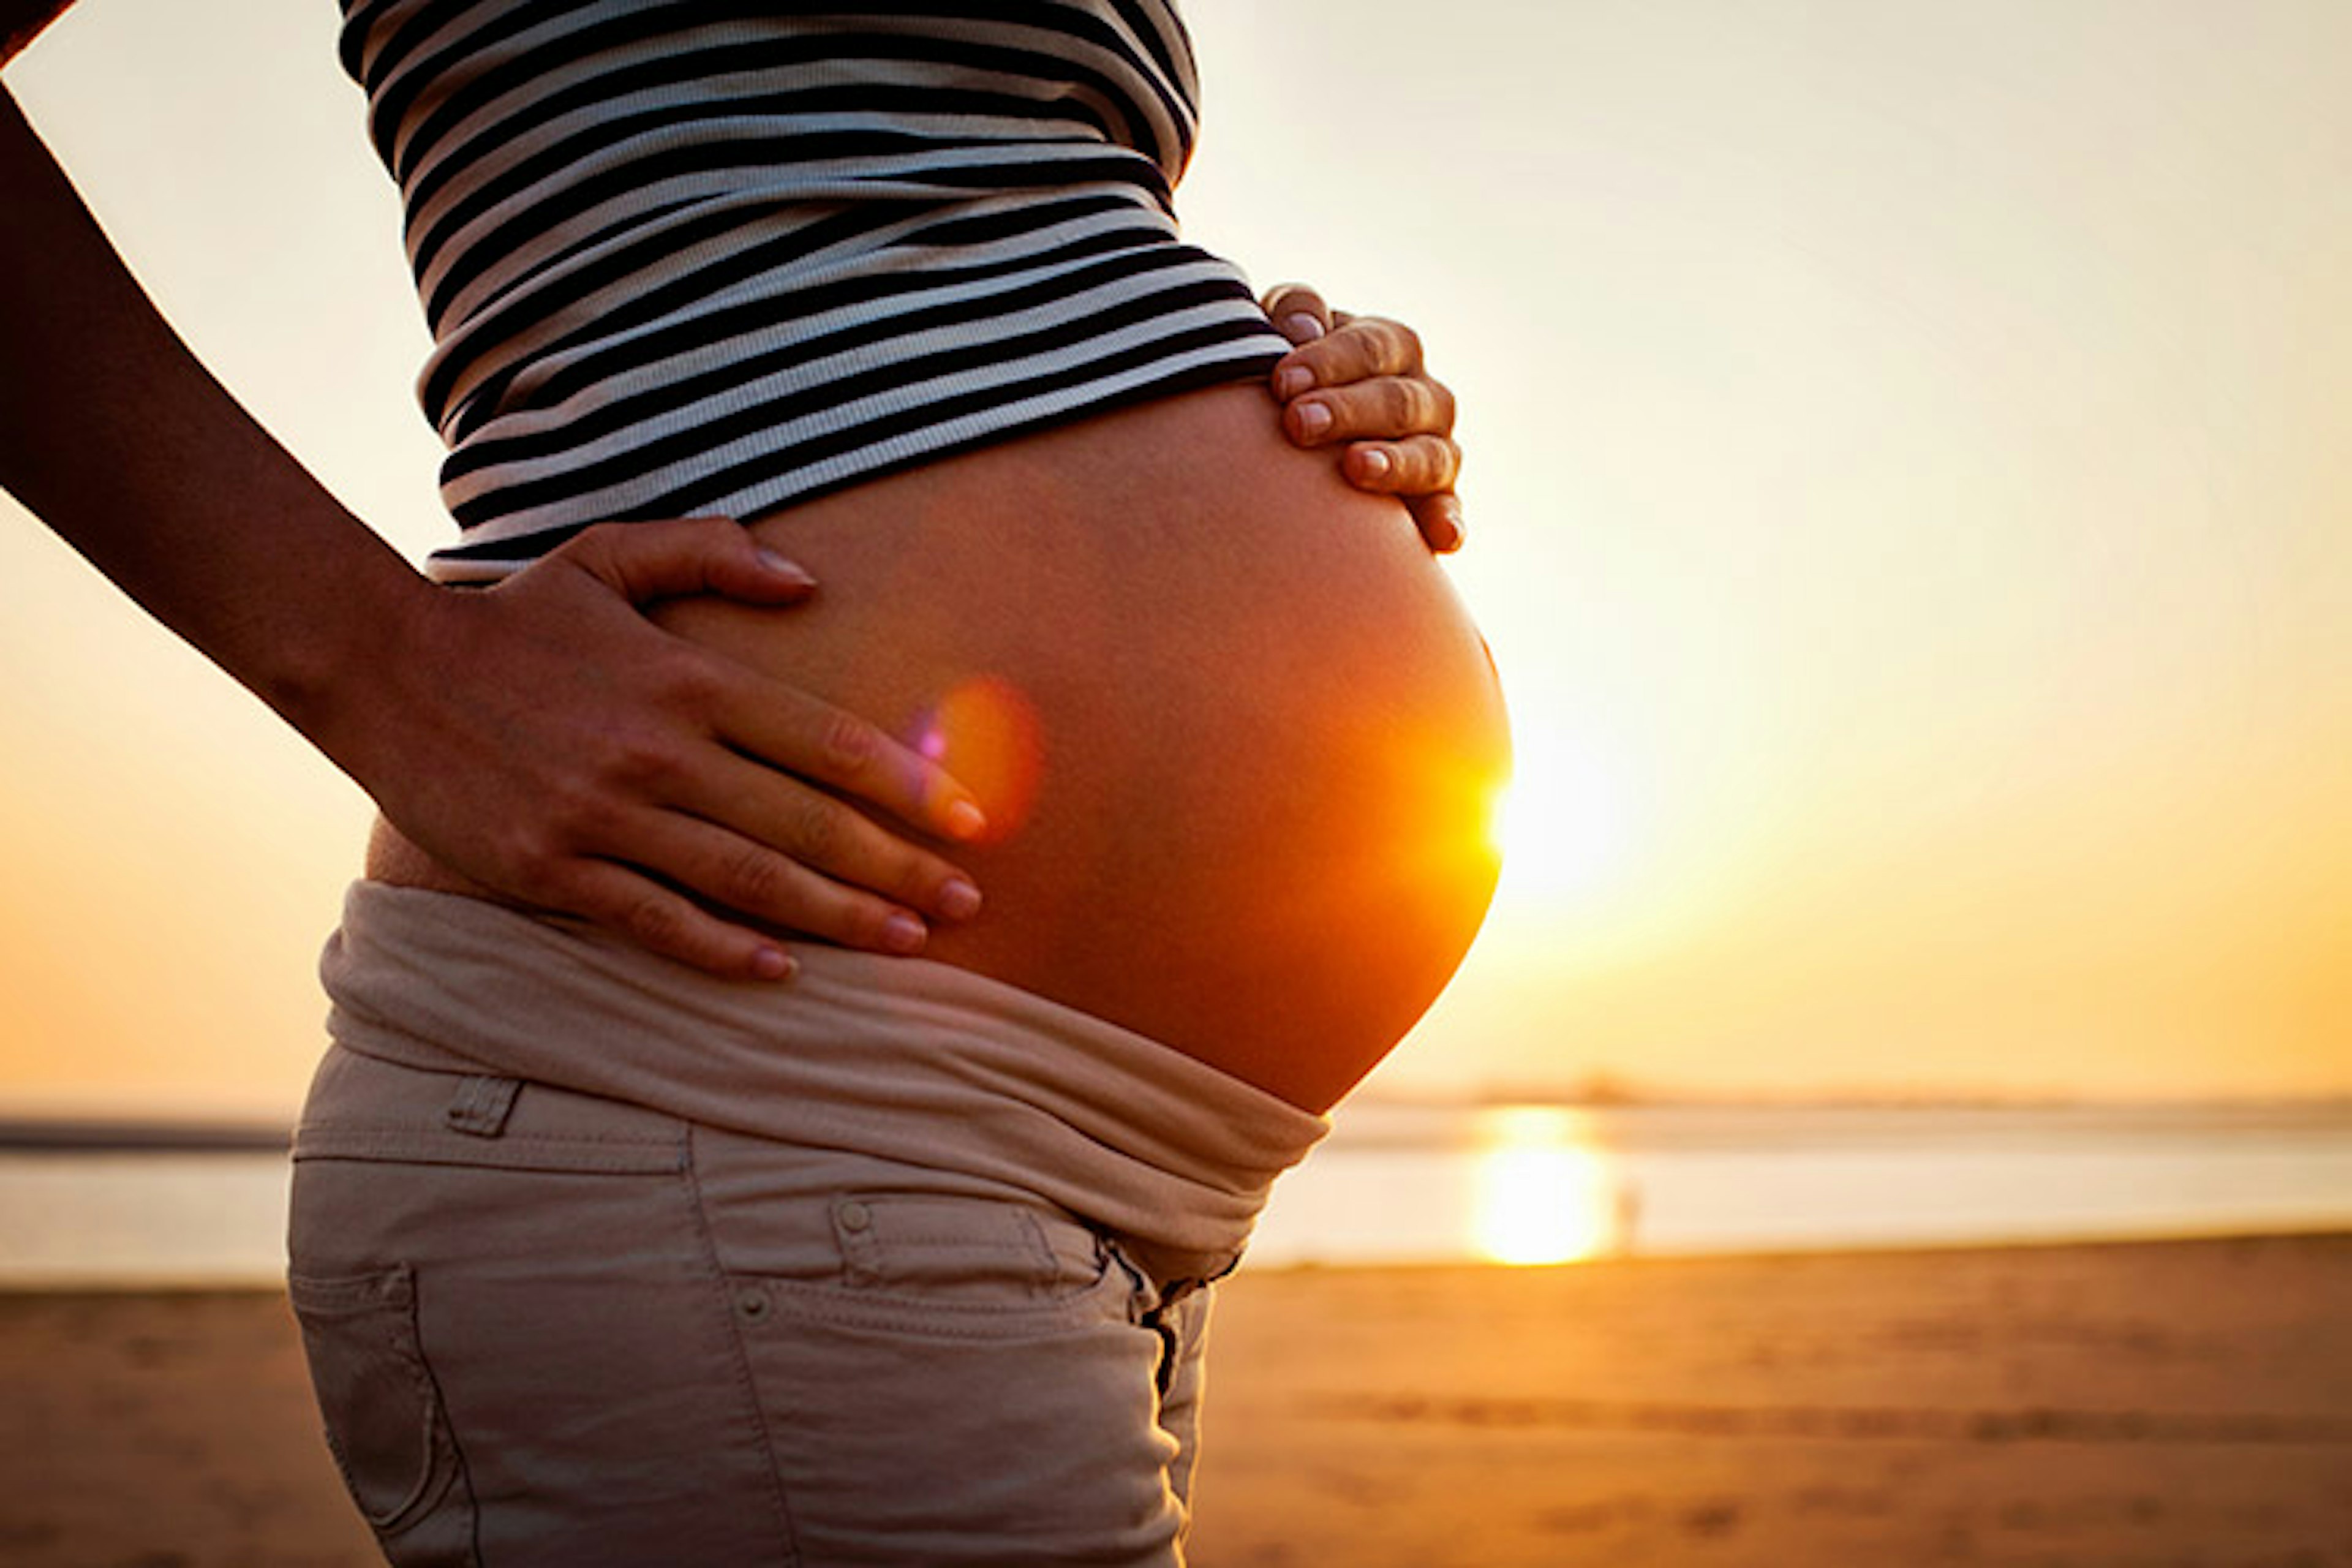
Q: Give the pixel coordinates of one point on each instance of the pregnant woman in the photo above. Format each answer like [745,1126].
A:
[604,1258]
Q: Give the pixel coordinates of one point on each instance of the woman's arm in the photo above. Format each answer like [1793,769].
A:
[21,22]
[542,738]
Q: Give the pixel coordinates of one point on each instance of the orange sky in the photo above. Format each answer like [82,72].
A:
[1908,499]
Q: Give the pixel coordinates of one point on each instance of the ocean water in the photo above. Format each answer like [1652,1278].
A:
[1421,1184]
[1555,1184]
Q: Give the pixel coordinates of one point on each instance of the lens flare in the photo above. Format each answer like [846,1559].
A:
[986,734]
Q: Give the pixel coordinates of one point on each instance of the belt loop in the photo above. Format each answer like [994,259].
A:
[861,1249]
[481,1105]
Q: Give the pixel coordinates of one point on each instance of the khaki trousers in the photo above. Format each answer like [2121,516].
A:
[892,1265]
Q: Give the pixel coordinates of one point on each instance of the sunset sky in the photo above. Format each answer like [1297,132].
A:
[1910,494]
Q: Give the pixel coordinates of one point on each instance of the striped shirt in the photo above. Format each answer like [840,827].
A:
[688,258]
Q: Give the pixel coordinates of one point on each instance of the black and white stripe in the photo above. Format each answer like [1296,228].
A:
[691,256]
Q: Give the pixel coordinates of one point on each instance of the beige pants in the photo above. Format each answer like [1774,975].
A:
[602,1262]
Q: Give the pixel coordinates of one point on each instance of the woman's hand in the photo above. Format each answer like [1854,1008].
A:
[1359,380]
[650,769]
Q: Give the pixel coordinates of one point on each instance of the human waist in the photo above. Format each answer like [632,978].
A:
[892,1058]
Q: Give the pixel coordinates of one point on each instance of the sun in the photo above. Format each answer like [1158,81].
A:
[1561,824]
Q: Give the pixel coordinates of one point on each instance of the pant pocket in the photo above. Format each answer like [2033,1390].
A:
[968,1388]
[385,1424]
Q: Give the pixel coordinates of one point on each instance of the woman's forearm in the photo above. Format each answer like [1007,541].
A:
[21,22]
[119,440]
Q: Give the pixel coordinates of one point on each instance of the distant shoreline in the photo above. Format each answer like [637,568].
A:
[95,1135]
[37,1132]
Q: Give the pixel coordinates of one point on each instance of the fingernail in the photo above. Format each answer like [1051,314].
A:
[1292,380]
[966,820]
[1301,327]
[1445,532]
[902,932]
[774,963]
[959,900]
[1313,418]
[791,571]
[1375,462]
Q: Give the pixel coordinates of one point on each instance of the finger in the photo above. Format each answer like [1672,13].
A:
[666,922]
[734,872]
[1418,465]
[1362,347]
[1439,517]
[788,844]
[810,738]
[1297,311]
[644,562]
[1386,408]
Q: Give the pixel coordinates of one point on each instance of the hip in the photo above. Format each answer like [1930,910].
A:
[546,1327]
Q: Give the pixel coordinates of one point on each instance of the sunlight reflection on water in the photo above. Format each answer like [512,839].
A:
[1548,1190]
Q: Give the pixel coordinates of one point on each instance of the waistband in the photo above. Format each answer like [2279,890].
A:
[898,1057]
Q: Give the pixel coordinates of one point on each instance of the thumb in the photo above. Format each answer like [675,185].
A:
[643,561]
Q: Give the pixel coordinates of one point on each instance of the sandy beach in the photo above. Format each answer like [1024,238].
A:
[2187,1404]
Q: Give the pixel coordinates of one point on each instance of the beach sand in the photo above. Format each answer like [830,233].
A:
[2162,1406]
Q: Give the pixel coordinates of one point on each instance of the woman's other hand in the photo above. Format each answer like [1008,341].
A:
[549,741]
[1359,380]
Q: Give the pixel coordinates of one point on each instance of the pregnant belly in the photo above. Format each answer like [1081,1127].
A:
[1238,735]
